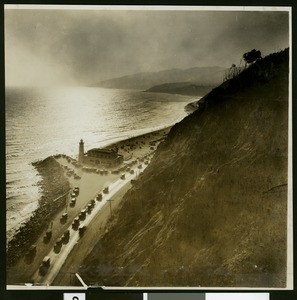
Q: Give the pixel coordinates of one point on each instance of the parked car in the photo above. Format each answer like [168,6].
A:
[75,223]
[99,197]
[65,237]
[82,229]
[89,207]
[31,252]
[73,201]
[76,190]
[46,261]
[48,234]
[64,217]
[82,214]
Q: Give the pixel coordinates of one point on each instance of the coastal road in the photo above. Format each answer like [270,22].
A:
[58,259]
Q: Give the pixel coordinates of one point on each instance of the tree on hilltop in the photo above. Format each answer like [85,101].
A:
[252,56]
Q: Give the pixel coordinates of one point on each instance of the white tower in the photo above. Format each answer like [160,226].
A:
[81,152]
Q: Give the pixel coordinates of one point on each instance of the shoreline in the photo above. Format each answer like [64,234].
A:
[106,144]
[136,148]
[25,235]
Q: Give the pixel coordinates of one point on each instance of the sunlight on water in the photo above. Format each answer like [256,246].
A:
[40,123]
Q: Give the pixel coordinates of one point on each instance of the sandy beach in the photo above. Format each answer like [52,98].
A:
[136,151]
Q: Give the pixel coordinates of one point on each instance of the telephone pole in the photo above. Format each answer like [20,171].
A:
[110,205]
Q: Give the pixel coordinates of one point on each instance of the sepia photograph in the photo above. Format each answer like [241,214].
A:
[148,147]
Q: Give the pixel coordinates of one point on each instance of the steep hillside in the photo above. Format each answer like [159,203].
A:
[210,209]
[143,81]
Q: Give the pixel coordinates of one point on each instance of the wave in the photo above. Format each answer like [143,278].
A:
[13,182]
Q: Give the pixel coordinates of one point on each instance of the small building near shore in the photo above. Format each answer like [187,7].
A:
[107,157]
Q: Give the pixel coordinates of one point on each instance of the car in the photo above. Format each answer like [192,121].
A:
[82,214]
[73,201]
[32,251]
[65,237]
[82,229]
[89,207]
[76,191]
[46,261]
[48,234]
[75,223]
[59,242]
[64,217]
[66,233]
[42,270]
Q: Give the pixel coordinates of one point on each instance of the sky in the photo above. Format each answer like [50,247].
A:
[81,47]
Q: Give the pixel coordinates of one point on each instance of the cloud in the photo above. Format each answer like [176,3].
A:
[72,46]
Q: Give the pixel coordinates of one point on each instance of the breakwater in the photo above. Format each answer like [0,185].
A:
[55,188]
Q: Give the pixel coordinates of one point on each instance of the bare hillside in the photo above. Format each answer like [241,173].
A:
[210,209]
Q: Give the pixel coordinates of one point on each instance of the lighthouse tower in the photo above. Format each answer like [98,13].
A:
[81,152]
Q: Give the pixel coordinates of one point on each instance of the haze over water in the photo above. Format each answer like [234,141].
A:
[40,123]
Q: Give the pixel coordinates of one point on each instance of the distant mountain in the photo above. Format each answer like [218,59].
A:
[181,88]
[202,76]
[210,210]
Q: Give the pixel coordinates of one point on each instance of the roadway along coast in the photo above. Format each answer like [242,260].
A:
[135,149]
[58,259]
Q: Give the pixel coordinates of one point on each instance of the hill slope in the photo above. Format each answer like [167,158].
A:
[142,81]
[210,209]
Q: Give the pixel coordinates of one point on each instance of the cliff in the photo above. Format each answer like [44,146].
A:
[210,209]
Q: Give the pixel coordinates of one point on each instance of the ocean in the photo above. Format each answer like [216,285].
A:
[42,122]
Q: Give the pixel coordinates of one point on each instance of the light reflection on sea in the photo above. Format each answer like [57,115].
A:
[40,123]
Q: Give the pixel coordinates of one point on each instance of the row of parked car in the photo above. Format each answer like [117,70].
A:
[43,269]
[59,243]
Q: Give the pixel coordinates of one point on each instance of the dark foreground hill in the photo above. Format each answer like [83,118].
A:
[210,209]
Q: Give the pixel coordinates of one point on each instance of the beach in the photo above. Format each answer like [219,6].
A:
[136,151]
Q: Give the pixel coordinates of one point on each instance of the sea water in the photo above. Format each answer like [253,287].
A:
[44,122]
